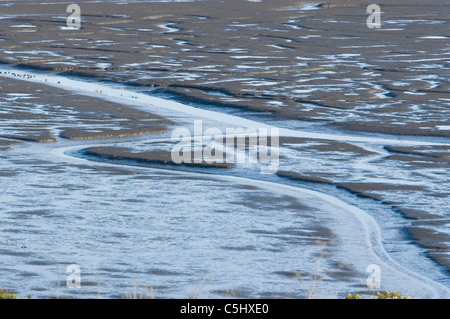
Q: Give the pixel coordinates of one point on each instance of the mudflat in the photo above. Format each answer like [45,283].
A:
[269,57]
[288,63]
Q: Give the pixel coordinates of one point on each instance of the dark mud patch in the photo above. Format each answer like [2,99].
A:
[437,153]
[312,234]
[323,146]
[31,135]
[263,202]
[436,243]
[367,189]
[16,253]
[343,272]
[411,129]
[303,178]
[9,142]
[151,157]
[240,248]
[164,272]
[7,174]
[86,134]
[30,214]
[333,146]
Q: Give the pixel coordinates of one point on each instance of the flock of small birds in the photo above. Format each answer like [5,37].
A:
[29,76]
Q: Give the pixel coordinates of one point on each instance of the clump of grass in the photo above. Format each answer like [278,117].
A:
[381,295]
[391,295]
[350,296]
[7,294]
